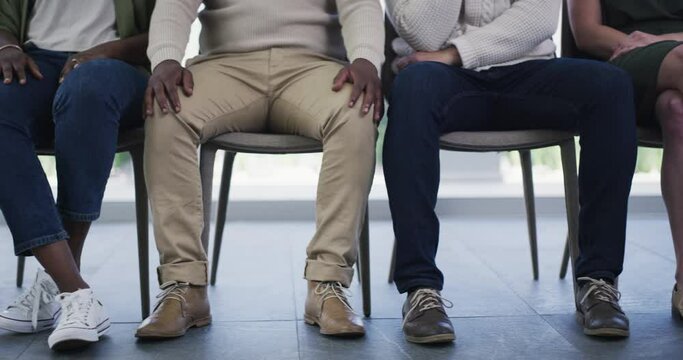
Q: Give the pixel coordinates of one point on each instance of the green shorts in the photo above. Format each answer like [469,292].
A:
[643,65]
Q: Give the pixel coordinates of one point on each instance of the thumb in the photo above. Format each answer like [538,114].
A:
[341,79]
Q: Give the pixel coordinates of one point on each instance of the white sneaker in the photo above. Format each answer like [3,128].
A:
[37,309]
[82,322]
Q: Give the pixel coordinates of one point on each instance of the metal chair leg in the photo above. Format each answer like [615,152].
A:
[392,264]
[21,264]
[571,196]
[364,262]
[529,200]
[142,219]
[565,259]
[206,162]
[223,198]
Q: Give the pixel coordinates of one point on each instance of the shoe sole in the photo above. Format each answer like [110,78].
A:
[344,334]
[602,332]
[432,339]
[70,344]
[25,326]
[197,324]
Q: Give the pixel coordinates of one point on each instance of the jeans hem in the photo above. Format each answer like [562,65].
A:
[405,286]
[74,216]
[25,248]
[599,275]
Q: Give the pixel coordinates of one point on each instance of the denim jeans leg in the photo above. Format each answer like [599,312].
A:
[95,101]
[25,196]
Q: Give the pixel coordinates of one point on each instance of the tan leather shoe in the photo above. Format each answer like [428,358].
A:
[677,303]
[328,308]
[181,306]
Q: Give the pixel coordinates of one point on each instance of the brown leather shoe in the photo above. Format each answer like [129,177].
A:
[424,318]
[181,306]
[598,309]
[328,307]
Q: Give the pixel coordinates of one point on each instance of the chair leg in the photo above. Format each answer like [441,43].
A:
[364,261]
[565,259]
[529,200]
[21,264]
[571,196]
[392,264]
[223,198]
[206,163]
[142,219]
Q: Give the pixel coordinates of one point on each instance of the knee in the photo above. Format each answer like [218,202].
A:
[419,79]
[354,132]
[669,110]
[87,84]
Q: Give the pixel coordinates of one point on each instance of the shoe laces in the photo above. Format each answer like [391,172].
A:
[602,290]
[426,299]
[29,301]
[75,308]
[333,290]
[172,290]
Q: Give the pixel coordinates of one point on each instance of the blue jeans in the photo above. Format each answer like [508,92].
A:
[591,98]
[82,117]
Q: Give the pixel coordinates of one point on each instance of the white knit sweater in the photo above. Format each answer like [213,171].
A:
[486,33]
[341,29]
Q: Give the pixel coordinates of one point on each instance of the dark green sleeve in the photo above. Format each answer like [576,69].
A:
[10,17]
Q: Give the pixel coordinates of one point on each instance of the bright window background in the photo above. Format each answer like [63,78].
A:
[290,177]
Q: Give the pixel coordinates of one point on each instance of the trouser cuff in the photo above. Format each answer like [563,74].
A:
[194,273]
[317,270]
[405,286]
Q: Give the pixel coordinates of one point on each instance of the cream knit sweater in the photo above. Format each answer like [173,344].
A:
[343,29]
[486,33]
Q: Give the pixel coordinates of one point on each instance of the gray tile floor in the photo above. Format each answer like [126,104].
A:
[499,312]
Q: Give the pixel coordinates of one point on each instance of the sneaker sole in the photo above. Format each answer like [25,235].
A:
[25,326]
[343,334]
[432,339]
[197,324]
[75,343]
[602,332]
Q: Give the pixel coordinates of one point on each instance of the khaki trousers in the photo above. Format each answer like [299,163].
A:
[275,91]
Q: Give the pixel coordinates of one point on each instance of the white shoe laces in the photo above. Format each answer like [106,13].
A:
[172,290]
[29,301]
[331,290]
[603,290]
[75,308]
[426,299]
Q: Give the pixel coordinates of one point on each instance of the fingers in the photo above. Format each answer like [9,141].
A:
[172,91]
[7,73]
[368,98]
[160,95]
[34,69]
[19,69]
[342,78]
[405,61]
[379,105]
[149,101]
[70,65]
[356,92]
[188,82]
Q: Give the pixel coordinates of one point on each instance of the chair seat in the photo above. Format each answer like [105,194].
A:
[266,143]
[650,137]
[127,141]
[484,141]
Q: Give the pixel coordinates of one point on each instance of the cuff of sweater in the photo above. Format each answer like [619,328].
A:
[468,53]
[162,54]
[370,55]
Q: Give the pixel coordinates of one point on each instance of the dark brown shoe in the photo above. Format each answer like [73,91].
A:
[181,306]
[598,309]
[327,306]
[424,318]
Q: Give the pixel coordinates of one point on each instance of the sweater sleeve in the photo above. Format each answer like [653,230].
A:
[512,35]
[170,29]
[362,24]
[426,25]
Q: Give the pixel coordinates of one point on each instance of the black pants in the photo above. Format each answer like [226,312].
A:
[591,98]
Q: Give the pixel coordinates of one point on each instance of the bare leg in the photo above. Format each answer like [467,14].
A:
[670,114]
[57,260]
[77,231]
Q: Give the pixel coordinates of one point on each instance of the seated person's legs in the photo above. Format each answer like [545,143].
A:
[88,118]
[225,99]
[306,105]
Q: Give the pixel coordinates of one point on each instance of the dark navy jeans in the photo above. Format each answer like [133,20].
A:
[593,99]
[82,117]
